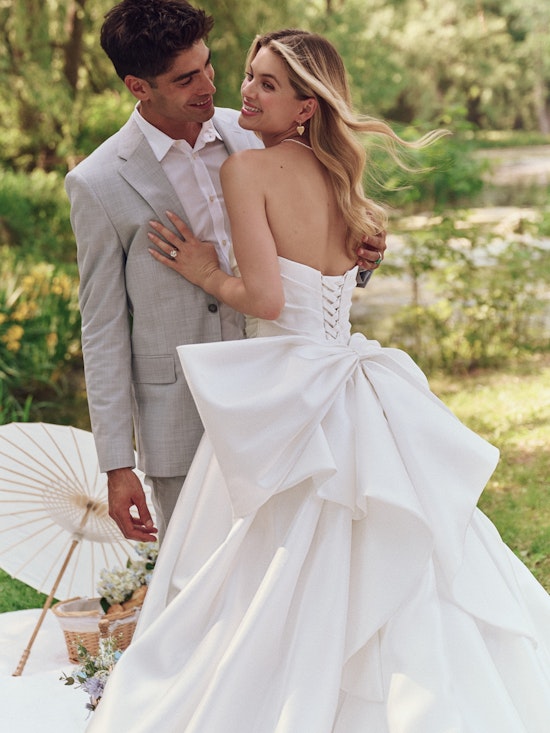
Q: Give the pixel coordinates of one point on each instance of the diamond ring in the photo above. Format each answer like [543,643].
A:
[174,254]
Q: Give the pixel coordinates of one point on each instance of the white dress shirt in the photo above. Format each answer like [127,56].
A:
[194,172]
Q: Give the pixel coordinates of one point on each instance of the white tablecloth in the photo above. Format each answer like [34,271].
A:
[37,701]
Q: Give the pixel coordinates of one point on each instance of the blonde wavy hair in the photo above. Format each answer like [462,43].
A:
[315,69]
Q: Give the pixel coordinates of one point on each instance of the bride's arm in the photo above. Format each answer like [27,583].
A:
[258,291]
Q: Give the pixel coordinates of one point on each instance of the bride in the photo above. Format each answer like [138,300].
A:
[326,569]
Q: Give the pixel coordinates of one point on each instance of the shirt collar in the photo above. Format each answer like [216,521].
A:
[161,143]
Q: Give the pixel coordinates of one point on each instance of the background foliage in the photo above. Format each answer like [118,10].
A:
[483,61]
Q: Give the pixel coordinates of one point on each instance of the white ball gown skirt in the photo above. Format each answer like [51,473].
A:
[326,569]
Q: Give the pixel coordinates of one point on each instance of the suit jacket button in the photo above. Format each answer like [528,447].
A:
[213,308]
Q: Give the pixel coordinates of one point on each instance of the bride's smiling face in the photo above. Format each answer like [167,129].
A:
[270,105]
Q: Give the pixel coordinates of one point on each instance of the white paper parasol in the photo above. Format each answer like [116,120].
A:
[55,531]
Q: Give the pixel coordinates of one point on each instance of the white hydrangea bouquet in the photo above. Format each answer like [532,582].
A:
[124,588]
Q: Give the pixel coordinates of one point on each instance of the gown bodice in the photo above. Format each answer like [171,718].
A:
[316,305]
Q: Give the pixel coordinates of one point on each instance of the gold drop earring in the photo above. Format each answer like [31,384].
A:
[300,129]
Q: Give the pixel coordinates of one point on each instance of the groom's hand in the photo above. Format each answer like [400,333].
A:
[125,492]
[371,251]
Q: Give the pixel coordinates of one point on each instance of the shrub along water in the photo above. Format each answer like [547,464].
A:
[478,292]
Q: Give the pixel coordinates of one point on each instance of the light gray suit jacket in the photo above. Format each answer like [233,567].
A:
[135,311]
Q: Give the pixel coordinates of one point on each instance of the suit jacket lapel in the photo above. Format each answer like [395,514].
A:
[144,173]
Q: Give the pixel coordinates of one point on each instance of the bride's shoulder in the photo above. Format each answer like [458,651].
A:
[249,162]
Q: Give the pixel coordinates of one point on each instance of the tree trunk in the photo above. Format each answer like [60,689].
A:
[74,45]
[542,106]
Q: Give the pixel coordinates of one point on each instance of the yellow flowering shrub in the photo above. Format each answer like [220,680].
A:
[39,328]
[12,338]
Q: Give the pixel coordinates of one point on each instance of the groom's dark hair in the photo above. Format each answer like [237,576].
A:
[142,37]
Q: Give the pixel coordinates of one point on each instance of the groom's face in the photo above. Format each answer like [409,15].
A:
[182,96]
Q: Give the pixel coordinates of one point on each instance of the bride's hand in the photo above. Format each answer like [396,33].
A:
[190,257]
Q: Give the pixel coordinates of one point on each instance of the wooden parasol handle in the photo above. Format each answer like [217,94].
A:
[45,608]
[49,599]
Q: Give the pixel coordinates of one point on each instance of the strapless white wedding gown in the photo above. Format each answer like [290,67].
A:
[326,569]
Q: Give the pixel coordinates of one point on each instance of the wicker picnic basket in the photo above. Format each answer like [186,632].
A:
[80,620]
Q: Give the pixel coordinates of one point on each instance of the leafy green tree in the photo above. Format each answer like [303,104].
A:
[46,55]
[529,22]
[234,31]
[413,61]
[483,61]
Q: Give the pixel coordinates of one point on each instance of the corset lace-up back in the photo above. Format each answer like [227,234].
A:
[332,289]
[316,305]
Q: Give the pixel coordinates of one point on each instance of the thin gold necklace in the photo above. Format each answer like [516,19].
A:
[298,142]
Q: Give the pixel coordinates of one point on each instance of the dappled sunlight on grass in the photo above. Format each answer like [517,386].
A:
[512,411]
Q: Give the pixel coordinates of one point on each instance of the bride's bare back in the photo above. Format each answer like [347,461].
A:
[294,197]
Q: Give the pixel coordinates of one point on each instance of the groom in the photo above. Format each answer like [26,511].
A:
[135,313]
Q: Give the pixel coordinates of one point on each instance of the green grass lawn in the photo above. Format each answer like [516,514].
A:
[15,596]
[511,409]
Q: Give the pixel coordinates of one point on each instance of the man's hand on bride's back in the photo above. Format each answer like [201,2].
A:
[371,252]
